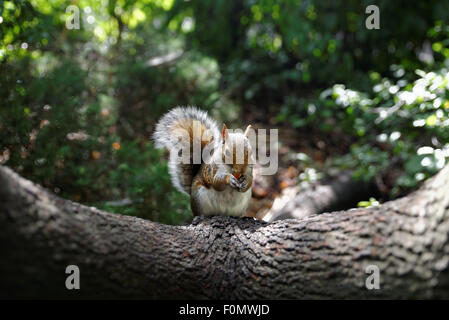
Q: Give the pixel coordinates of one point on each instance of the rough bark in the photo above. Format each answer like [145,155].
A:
[320,256]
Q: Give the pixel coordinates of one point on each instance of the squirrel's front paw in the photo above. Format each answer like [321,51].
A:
[243,184]
[233,182]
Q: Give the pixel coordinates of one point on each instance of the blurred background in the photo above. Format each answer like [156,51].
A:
[78,105]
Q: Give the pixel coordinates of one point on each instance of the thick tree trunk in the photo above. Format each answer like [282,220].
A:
[320,256]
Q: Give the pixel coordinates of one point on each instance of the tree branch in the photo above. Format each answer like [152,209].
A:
[320,256]
[335,193]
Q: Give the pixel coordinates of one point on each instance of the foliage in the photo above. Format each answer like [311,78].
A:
[404,124]
[78,106]
[282,49]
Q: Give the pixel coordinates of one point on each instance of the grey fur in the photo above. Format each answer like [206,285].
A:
[181,174]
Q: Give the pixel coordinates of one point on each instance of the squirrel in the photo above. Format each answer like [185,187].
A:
[218,177]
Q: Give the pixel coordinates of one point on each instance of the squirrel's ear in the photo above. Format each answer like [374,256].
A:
[225,133]
[248,128]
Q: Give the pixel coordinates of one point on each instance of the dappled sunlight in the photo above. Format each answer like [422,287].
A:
[83,84]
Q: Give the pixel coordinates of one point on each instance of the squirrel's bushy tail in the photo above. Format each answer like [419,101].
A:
[199,128]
